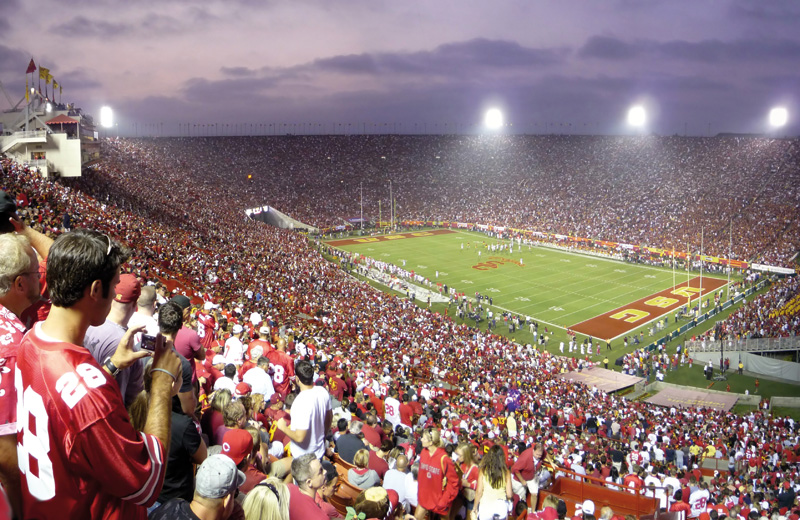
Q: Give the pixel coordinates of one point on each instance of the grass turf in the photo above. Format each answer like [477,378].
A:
[554,288]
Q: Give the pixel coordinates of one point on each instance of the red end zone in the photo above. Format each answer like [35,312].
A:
[624,319]
[386,238]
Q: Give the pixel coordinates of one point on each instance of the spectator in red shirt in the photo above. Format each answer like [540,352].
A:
[309,477]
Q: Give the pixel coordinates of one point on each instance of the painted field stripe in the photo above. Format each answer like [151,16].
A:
[635,314]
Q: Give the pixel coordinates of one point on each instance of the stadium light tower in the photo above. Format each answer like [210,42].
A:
[637,116]
[778,117]
[106,117]
[493,119]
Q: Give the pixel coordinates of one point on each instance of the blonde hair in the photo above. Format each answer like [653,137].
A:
[467,451]
[373,502]
[221,399]
[361,459]
[550,501]
[269,500]
[433,433]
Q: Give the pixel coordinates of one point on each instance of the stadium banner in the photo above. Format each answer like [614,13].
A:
[772,269]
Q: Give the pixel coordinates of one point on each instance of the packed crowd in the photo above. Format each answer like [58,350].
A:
[763,317]
[655,191]
[259,287]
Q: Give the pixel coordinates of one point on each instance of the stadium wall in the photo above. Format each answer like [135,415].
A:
[784,402]
[273,217]
[774,368]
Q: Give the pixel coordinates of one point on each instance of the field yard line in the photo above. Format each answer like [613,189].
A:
[650,267]
[534,318]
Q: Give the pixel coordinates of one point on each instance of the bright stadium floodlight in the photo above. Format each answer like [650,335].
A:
[778,117]
[106,117]
[493,119]
[637,116]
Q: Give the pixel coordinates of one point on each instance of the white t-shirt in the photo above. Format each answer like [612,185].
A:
[260,382]
[308,413]
[698,501]
[392,407]
[234,351]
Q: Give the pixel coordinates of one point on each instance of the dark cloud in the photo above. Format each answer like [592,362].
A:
[463,58]
[238,71]
[78,79]
[12,61]
[148,24]
[715,51]
[705,51]
[608,48]
[82,27]
[768,12]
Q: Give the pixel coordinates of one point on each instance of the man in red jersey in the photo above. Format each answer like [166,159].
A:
[282,366]
[207,325]
[259,346]
[83,459]
[19,289]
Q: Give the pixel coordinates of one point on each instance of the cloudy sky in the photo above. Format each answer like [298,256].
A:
[413,65]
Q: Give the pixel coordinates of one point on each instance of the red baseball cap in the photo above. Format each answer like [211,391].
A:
[237,444]
[128,289]
[242,389]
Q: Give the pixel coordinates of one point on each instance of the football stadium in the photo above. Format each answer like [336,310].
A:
[470,322]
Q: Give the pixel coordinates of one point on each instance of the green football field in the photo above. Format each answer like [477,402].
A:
[554,287]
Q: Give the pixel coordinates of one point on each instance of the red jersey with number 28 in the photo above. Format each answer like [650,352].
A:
[11,332]
[282,366]
[79,456]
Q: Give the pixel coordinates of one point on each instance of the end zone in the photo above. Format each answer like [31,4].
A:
[387,238]
[635,314]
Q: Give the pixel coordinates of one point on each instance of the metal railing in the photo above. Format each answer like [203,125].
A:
[746,345]
[29,134]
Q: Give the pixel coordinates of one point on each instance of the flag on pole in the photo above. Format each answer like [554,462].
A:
[43,73]
[55,85]
[49,78]
[31,67]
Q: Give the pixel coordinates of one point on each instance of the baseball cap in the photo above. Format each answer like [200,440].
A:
[182,301]
[241,390]
[237,329]
[128,289]
[218,359]
[237,444]
[275,399]
[587,507]
[217,476]
[264,330]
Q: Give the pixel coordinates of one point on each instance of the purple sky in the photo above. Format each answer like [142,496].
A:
[413,65]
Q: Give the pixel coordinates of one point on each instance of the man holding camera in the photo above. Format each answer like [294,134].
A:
[78,455]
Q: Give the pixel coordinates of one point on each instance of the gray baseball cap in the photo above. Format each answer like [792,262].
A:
[218,477]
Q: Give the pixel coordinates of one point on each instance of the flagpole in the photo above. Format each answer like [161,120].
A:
[730,256]
[688,281]
[700,303]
